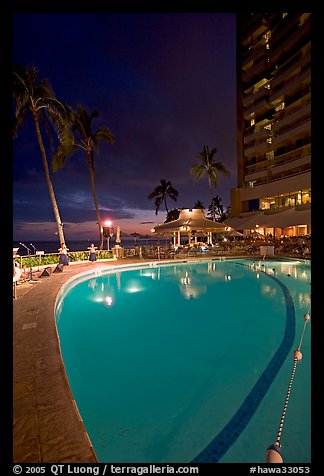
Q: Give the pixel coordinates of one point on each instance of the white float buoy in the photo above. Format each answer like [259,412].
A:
[273,454]
[297,355]
[307,317]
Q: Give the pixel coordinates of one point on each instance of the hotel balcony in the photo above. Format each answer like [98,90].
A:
[254,97]
[292,86]
[258,51]
[253,28]
[298,162]
[281,45]
[258,149]
[292,134]
[256,175]
[303,151]
[258,108]
[270,188]
[290,160]
[283,72]
[256,171]
[258,135]
[287,26]
[292,117]
[255,70]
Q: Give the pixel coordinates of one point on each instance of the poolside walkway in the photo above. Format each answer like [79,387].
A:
[46,424]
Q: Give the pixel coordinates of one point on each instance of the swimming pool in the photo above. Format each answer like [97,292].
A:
[190,361]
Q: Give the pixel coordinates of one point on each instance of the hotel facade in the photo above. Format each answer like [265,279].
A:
[273,192]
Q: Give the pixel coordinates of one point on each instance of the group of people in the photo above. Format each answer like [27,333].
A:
[63,252]
[21,274]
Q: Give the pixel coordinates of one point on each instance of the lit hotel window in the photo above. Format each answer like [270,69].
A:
[267,36]
[303,18]
[305,197]
[269,140]
[252,121]
[280,107]
[264,204]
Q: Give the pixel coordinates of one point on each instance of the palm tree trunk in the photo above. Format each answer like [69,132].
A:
[211,195]
[210,188]
[95,200]
[166,208]
[48,180]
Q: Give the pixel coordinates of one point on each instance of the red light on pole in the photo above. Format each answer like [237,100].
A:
[108,231]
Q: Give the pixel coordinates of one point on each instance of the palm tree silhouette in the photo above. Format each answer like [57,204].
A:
[37,97]
[208,166]
[216,209]
[82,136]
[199,204]
[163,191]
[172,215]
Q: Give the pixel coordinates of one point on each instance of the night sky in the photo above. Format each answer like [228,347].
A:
[164,84]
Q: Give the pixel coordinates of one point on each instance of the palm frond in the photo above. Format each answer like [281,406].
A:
[22,107]
[220,168]
[62,153]
[157,203]
[213,175]
[102,134]
[83,122]
[198,170]
[161,192]
[172,193]
[153,194]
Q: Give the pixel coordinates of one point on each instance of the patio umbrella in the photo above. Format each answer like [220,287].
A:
[123,234]
[234,233]
[137,235]
[256,234]
[118,240]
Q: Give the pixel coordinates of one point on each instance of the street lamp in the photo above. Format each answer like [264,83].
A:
[108,231]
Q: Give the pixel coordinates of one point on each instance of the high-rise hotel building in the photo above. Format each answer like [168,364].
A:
[273,121]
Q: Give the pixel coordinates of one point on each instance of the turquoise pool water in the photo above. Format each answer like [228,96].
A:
[190,361]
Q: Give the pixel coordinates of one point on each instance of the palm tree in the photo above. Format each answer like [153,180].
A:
[82,136]
[199,205]
[163,191]
[216,209]
[37,97]
[208,166]
[172,215]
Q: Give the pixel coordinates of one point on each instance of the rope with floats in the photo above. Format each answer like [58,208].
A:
[273,453]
